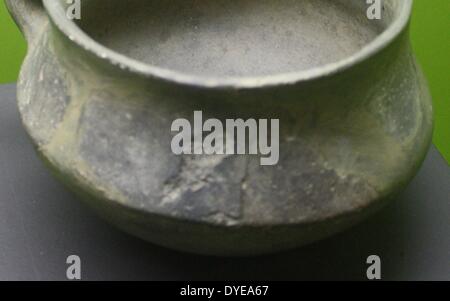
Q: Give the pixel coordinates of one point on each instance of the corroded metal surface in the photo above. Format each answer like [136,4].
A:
[355,122]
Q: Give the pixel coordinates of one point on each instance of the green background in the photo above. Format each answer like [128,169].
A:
[430,30]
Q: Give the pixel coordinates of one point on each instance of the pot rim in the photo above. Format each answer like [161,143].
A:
[70,29]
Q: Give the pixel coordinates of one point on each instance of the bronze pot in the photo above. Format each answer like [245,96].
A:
[98,97]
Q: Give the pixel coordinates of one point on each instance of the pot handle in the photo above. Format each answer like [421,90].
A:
[29,15]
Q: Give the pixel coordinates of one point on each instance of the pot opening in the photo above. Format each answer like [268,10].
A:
[238,39]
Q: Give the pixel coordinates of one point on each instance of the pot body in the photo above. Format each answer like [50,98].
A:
[349,141]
